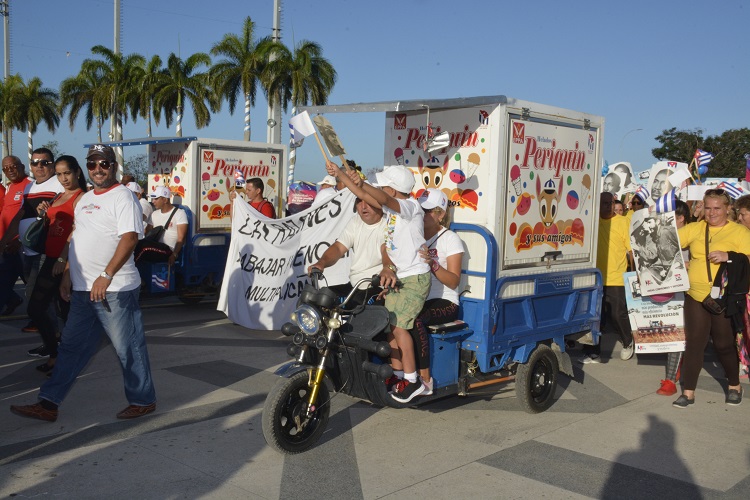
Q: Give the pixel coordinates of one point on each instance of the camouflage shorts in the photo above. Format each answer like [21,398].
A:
[405,305]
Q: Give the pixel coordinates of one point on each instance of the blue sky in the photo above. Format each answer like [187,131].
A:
[647,65]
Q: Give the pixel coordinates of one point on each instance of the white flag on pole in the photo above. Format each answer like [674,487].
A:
[300,126]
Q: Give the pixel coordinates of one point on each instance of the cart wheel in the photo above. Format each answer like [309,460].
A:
[536,380]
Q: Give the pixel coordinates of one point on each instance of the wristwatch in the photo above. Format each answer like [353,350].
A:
[392,268]
[105,275]
[61,260]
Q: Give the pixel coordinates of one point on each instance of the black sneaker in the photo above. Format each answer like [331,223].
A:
[408,391]
[683,402]
[734,398]
[39,352]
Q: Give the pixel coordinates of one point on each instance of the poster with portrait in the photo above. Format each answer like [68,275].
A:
[619,180]
[657,322]
[658,182]
[658,257]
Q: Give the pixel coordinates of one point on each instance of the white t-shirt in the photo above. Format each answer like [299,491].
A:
[404,234]
[147,208]
[100,222]
[34,194]
[323,196]
[444,244]
[159,218]
[365,240]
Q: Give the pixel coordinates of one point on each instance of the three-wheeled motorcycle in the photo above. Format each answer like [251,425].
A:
[516,331]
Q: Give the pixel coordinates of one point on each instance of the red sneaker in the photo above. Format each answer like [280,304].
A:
[667,388]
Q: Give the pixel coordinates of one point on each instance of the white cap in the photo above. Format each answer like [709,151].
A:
[161,192]
[328,179]
[433,198]
[134,187]
[399,178]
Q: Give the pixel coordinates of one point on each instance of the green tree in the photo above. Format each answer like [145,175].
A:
[10,96]
[38,104]
[240,71]
[54,146]
[728,148]
[83,92]
[137,166]
[180,82]
[145,85]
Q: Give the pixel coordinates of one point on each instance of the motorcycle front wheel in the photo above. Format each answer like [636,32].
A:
[286,427]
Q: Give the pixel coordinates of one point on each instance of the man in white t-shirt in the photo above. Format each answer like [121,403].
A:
[104,298]
[364,236]
[145,205]
[175,235]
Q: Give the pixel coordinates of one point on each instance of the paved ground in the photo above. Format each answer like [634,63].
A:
[607,436]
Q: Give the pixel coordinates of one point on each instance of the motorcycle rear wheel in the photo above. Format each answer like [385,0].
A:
[285,405]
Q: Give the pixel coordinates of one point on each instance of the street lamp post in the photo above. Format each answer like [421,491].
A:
[623,139]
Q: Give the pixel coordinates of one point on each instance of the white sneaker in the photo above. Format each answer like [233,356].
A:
[428,387]
[627,352]
[588,359]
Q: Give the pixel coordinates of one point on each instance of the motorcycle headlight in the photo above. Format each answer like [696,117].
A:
[308,319]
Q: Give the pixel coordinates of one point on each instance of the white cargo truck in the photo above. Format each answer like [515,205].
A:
[522,181]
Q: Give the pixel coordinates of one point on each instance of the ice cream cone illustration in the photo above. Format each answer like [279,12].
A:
[473,161]
[585,188]
[206,177]
[515,178]
[399,154]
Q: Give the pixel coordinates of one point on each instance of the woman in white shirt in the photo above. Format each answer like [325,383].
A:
[446,252]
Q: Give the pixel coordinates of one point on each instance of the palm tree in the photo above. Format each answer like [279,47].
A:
[83,92]
[179,82]
[302,77]
[10,91]
[241,69]
[146,82]
[38,104]
[117,85]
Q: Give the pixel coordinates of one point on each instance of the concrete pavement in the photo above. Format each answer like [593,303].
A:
[607,436]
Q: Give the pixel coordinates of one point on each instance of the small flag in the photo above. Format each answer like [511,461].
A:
[642,193]
[703,157]
[300,126]
[747,167]
[666,203]
[732,190]
[239,179]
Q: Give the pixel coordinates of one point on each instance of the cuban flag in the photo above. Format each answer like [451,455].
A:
[703,157]
[732,190]
[642,193]
[666,203]
[239,179]
[484,117]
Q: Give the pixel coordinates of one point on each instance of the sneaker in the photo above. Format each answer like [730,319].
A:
[398,386]
[683,402]
[38,352]
[588,359]
[627,352]
[667,388]
[391,382]
[734,397]
[12,304]
[30,328]
[428,387]
[408,391]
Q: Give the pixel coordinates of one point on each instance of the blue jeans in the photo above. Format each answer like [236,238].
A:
[80,341]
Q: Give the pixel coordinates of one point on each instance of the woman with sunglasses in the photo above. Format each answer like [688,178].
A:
[710,242]
[60,215]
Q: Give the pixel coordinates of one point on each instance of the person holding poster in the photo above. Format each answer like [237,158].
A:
[612,260]
[710,241]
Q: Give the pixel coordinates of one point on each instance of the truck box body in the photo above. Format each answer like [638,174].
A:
[202,173]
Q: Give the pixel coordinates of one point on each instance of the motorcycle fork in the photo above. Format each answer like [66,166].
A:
[317,374]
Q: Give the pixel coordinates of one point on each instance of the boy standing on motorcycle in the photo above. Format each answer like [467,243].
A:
[404,235]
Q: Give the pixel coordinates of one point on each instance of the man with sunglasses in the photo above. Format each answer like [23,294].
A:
[44,188]
[11,266]
[104,298]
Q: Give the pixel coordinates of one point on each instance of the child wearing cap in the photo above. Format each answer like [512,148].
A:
[404,235]
[446,253]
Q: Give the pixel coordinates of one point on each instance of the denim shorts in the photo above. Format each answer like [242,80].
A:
[405,304]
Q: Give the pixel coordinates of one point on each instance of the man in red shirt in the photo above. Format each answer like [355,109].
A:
[254,190]
[11,265]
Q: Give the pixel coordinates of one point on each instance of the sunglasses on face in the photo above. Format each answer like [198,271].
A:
[43,163]
[103,164]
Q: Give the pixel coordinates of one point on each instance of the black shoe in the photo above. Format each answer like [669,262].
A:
[45,367]
[734,398]
[12,304]
[683,402]
[408,391]
[39,352]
